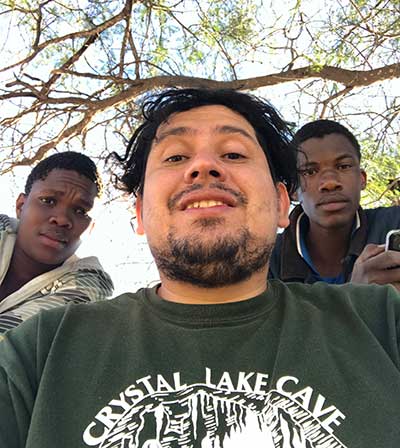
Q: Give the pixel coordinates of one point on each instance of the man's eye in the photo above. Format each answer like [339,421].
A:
[308,172]
[345,166]
[233,156]
[175,158]
[47,200]
[81,211]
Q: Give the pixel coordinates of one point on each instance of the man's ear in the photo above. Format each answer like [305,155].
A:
[19,203]
[283,205]
[140,227]
[90,228]
[363,179]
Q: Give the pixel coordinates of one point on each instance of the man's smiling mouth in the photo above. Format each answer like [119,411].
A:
[204,204]
[214,195]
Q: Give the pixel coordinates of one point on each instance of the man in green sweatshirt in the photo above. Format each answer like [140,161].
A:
[215,355]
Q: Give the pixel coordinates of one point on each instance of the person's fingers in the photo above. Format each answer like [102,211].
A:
[384,276]
[381,268]
[371,250]
[384,260]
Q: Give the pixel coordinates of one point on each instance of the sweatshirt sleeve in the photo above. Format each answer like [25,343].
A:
[23,355]
[380,308]
[390,316]
[17,384]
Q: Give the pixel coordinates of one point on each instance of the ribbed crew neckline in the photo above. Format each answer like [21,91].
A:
[225,314]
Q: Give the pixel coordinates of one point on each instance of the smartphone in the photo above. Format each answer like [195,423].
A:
[393,240]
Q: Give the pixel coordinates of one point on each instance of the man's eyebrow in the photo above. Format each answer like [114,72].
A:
[57,193]
[227,129]
[52,191]
[307,163]
[85,203]
[183,130]
[348,155]
[180,130]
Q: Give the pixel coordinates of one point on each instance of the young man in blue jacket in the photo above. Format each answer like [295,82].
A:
[330,237]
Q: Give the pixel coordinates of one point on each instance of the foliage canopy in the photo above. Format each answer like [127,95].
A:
[73,71]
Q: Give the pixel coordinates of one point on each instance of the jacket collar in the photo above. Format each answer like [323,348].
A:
[294,267]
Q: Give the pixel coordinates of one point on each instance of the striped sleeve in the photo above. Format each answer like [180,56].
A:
[85,285]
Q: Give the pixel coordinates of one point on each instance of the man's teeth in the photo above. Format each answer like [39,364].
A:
[204,204]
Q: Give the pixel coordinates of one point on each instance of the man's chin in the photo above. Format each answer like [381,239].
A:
[336,222]
[52,260]
[210,260]
[209,223]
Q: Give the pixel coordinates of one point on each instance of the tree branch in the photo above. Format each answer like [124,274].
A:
[71,36]
[43,149]
[349,78]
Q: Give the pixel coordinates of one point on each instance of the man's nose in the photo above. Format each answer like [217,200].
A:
[61,217]
[330,181]
[203,167]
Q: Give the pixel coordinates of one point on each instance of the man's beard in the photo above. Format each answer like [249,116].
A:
[213,264]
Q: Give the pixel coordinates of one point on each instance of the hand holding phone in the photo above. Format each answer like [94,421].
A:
[393,240]
[379,263]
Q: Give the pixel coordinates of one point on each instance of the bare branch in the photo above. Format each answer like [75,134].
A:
[56,74]
[43,150]
[349,78]
[333,97]
[71,36]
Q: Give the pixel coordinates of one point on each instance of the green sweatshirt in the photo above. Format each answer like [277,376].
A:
[298,366]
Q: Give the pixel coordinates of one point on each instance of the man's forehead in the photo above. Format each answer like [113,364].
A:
[60,180]
[210,116]
[331,146]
